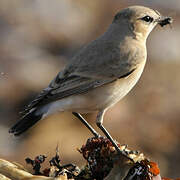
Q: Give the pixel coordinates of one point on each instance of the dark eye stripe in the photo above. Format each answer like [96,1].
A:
[147,19]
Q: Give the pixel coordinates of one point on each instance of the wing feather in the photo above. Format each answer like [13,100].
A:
[70,86]
[89,69]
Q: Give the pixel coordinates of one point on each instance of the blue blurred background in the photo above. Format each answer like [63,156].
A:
[37,38]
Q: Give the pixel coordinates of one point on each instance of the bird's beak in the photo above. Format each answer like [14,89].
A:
[163,21]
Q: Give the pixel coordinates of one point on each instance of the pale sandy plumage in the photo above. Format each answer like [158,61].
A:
[101,73]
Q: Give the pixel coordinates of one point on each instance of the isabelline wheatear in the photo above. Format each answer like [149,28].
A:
[100,74]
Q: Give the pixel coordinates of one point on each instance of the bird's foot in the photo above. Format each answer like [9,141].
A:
[120,150]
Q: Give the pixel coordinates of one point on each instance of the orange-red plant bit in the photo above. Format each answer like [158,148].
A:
[154,169]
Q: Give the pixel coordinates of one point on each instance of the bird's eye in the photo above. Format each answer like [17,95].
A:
[147,19]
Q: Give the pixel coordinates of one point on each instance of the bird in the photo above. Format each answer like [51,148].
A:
[100,74]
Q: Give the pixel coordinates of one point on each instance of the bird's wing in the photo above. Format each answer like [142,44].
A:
[87,70]
[64,87]
[61,88]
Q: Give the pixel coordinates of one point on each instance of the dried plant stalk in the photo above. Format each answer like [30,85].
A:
[10,171]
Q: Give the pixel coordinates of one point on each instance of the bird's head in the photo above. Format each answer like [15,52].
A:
[140,20]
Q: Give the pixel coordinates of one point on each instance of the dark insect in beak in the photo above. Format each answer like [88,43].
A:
[164,21]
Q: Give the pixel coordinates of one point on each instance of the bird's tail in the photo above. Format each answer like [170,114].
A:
[25,122]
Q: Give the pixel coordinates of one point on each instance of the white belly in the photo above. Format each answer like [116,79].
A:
[99,98]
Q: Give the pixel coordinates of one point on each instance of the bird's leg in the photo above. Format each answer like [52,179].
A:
[86,124]
[99,122]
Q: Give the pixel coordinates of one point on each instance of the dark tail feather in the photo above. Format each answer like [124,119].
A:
[25,123]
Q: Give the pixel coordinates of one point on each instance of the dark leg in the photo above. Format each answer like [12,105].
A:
[99,122]
[86,124]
